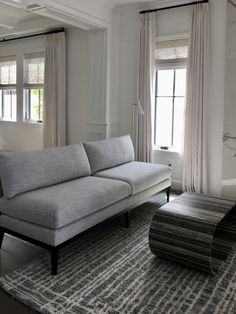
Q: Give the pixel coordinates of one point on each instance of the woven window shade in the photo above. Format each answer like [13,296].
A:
[8,70]
[171,50]
[34,69]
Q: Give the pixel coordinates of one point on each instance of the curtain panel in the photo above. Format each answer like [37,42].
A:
[55,91]
[146,86]
[195,135]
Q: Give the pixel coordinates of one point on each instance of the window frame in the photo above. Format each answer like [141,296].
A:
[9,87]
[28,87]
[173,64]
[19,52]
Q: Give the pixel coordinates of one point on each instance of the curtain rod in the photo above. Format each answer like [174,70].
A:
[231,2]
[174,6]
[59,30]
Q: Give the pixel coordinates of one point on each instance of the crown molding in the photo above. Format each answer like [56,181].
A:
[79,13]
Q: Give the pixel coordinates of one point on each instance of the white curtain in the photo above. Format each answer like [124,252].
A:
[195,137]
[146,86]
[55,91]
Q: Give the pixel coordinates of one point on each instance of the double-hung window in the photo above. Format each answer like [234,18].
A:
[8,88]
[171,59]
[33,87]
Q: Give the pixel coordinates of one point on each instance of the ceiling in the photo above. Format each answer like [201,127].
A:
[10,16]
[13,13]
[16,19]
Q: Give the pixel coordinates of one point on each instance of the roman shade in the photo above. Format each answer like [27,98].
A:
[173,50]
[8,71]
[33,69]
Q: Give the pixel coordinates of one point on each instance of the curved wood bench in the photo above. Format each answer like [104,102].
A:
[195,230]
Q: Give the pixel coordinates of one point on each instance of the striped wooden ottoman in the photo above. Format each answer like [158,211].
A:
[195,230]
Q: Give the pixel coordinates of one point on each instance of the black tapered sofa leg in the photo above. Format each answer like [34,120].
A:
[168,195]
[127,222]
[1,236]
[54,260]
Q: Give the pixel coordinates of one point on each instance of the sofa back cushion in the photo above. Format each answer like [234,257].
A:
[25,171]
[109,153]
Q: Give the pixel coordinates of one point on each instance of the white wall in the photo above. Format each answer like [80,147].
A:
[20,136]
[128,64]
[77,84]
[229,159]
[114,66]
[87,86]
[216,93]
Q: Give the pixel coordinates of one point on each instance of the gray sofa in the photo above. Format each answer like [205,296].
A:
[52,195]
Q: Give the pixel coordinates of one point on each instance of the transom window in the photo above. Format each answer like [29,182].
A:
[8,88]
[170,93]
[33,87]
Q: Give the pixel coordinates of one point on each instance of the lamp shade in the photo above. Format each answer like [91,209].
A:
[139,109]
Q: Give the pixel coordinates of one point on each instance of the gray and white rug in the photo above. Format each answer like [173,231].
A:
[110,270]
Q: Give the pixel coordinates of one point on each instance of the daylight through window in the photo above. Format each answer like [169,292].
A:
[8,88]
[33,87]
[171,58]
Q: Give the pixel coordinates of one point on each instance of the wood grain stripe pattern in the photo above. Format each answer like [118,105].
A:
[195,230]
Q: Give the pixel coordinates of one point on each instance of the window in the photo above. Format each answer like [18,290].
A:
[33,87]
[8,88]
[171,58]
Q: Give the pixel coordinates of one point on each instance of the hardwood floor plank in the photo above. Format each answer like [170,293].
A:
[8,305]
[14,254]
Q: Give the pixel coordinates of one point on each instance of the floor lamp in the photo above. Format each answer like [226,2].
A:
[137,110]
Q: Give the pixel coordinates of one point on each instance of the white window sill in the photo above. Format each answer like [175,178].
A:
[7,121]
[170,150]
[32,122]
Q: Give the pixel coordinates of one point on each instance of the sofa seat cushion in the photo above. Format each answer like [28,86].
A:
[61,204]
[140,175]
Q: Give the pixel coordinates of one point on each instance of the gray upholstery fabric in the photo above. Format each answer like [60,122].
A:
[26,171]
[64,203]
[139,175]
[58,236]
[109,153]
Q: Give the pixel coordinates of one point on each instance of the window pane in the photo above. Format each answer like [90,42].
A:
[178,121]
[180,82]
[8,104]
[8,72]
[33,99]
[165,79]
[164,121]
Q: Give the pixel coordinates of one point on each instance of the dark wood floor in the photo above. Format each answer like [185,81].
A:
[14,254]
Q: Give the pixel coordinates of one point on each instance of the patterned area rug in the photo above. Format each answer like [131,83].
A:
[110,270]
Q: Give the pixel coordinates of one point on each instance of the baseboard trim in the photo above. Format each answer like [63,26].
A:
[176,185]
